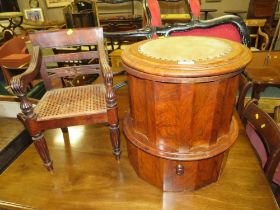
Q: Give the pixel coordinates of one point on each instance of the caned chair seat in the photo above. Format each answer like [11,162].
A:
[72,102]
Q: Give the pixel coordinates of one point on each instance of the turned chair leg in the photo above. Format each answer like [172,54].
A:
[42,148]
[115,140]
[64,130]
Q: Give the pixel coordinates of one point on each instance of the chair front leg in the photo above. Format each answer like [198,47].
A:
[28,118]
[42,148]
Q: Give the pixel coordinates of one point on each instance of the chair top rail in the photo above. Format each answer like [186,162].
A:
[66,37]
[263,124]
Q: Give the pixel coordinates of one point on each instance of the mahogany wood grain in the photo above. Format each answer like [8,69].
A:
[56,39]
[86,176]
[151,68]
[162,172]
[180,126]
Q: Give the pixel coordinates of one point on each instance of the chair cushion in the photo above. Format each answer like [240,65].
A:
[226,31]
[155,13]
[71,102]
[260,149]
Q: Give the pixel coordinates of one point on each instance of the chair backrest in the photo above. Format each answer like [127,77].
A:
[173,7]
[152,13]
[194,7]
[68,38]
[266,129]
[15,45]
[259,39]
[228,27]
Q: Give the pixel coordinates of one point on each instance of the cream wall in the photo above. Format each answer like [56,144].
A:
[57,14]
[49,13]
[225,5]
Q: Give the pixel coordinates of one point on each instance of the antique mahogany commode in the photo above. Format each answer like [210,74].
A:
[182,94]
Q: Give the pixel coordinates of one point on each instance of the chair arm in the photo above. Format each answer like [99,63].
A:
[106,70]
[107,75]
[20,82]
[244,86]
[264,44]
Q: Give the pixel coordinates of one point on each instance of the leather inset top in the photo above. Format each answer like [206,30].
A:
[186,50]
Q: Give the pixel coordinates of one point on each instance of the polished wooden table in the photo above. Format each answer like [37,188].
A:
[86,176]
[13,137]
[261,74]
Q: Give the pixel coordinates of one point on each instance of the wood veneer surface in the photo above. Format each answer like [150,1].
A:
[86,176]
[9,129]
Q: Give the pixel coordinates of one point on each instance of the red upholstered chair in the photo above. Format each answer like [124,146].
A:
[228,27]
[152,13]
[264,135]
[13,54]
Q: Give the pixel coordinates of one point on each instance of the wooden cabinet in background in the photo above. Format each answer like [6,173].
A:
[262,9]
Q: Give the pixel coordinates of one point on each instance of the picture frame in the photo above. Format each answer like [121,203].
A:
[58,3]
[35,14]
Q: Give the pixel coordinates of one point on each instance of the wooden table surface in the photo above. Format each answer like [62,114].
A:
[259,57]
[86,176]
[263,73]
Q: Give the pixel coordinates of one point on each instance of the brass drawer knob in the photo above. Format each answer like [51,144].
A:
[180,170]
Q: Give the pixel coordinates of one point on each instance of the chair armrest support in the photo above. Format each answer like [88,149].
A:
[20,82]
[244,86]
[107,75]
